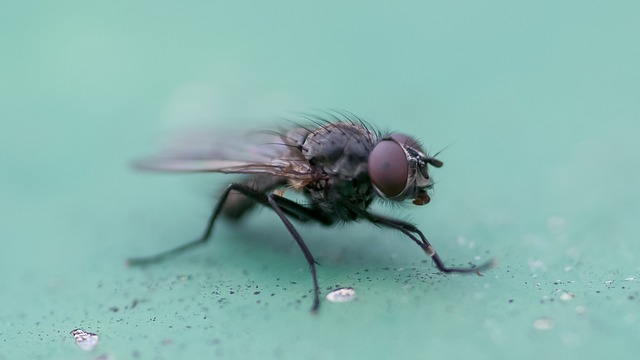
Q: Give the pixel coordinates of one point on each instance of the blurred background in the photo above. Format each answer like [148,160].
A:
[537,105]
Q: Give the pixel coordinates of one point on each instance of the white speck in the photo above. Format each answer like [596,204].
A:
[463,241]
[557,224]
[630,318]
[567,268]
[342,295]
[581,309]
[543,324]
[536,265]
[566,296]
[85,340]
[105,357]
[571,339]
[494,329]
[630,279]
[558,227]
[609,282]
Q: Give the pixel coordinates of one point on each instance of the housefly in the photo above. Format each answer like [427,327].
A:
[340,164]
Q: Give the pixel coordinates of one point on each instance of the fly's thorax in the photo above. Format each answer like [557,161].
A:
[296,137]
[339,153]
[339,149]
[398,169]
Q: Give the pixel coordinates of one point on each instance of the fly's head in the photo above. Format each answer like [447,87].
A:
[398,169]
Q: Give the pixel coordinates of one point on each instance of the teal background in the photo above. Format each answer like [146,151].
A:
[536,102]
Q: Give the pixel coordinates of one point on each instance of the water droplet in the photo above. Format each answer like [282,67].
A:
[342,295]
[543,323]
[85,340]
[566,296]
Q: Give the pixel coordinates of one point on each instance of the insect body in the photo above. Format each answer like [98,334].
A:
[340,165]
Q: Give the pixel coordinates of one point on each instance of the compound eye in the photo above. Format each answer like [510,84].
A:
[406,141]
[389,168]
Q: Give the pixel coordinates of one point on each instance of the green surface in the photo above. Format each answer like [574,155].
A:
[540,102]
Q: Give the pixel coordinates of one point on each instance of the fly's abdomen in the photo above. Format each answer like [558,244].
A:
[237,204]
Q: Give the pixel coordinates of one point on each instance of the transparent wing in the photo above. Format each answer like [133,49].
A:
[255,153]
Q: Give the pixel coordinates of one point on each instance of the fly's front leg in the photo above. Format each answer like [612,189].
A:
[411,231]
[408,229]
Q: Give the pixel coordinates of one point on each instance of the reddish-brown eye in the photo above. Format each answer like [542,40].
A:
[405,140]
[388,168]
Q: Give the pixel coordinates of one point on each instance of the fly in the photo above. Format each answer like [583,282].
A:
[339,164]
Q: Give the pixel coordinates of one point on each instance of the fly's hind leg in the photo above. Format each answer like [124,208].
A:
[283,207]
[201,240]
